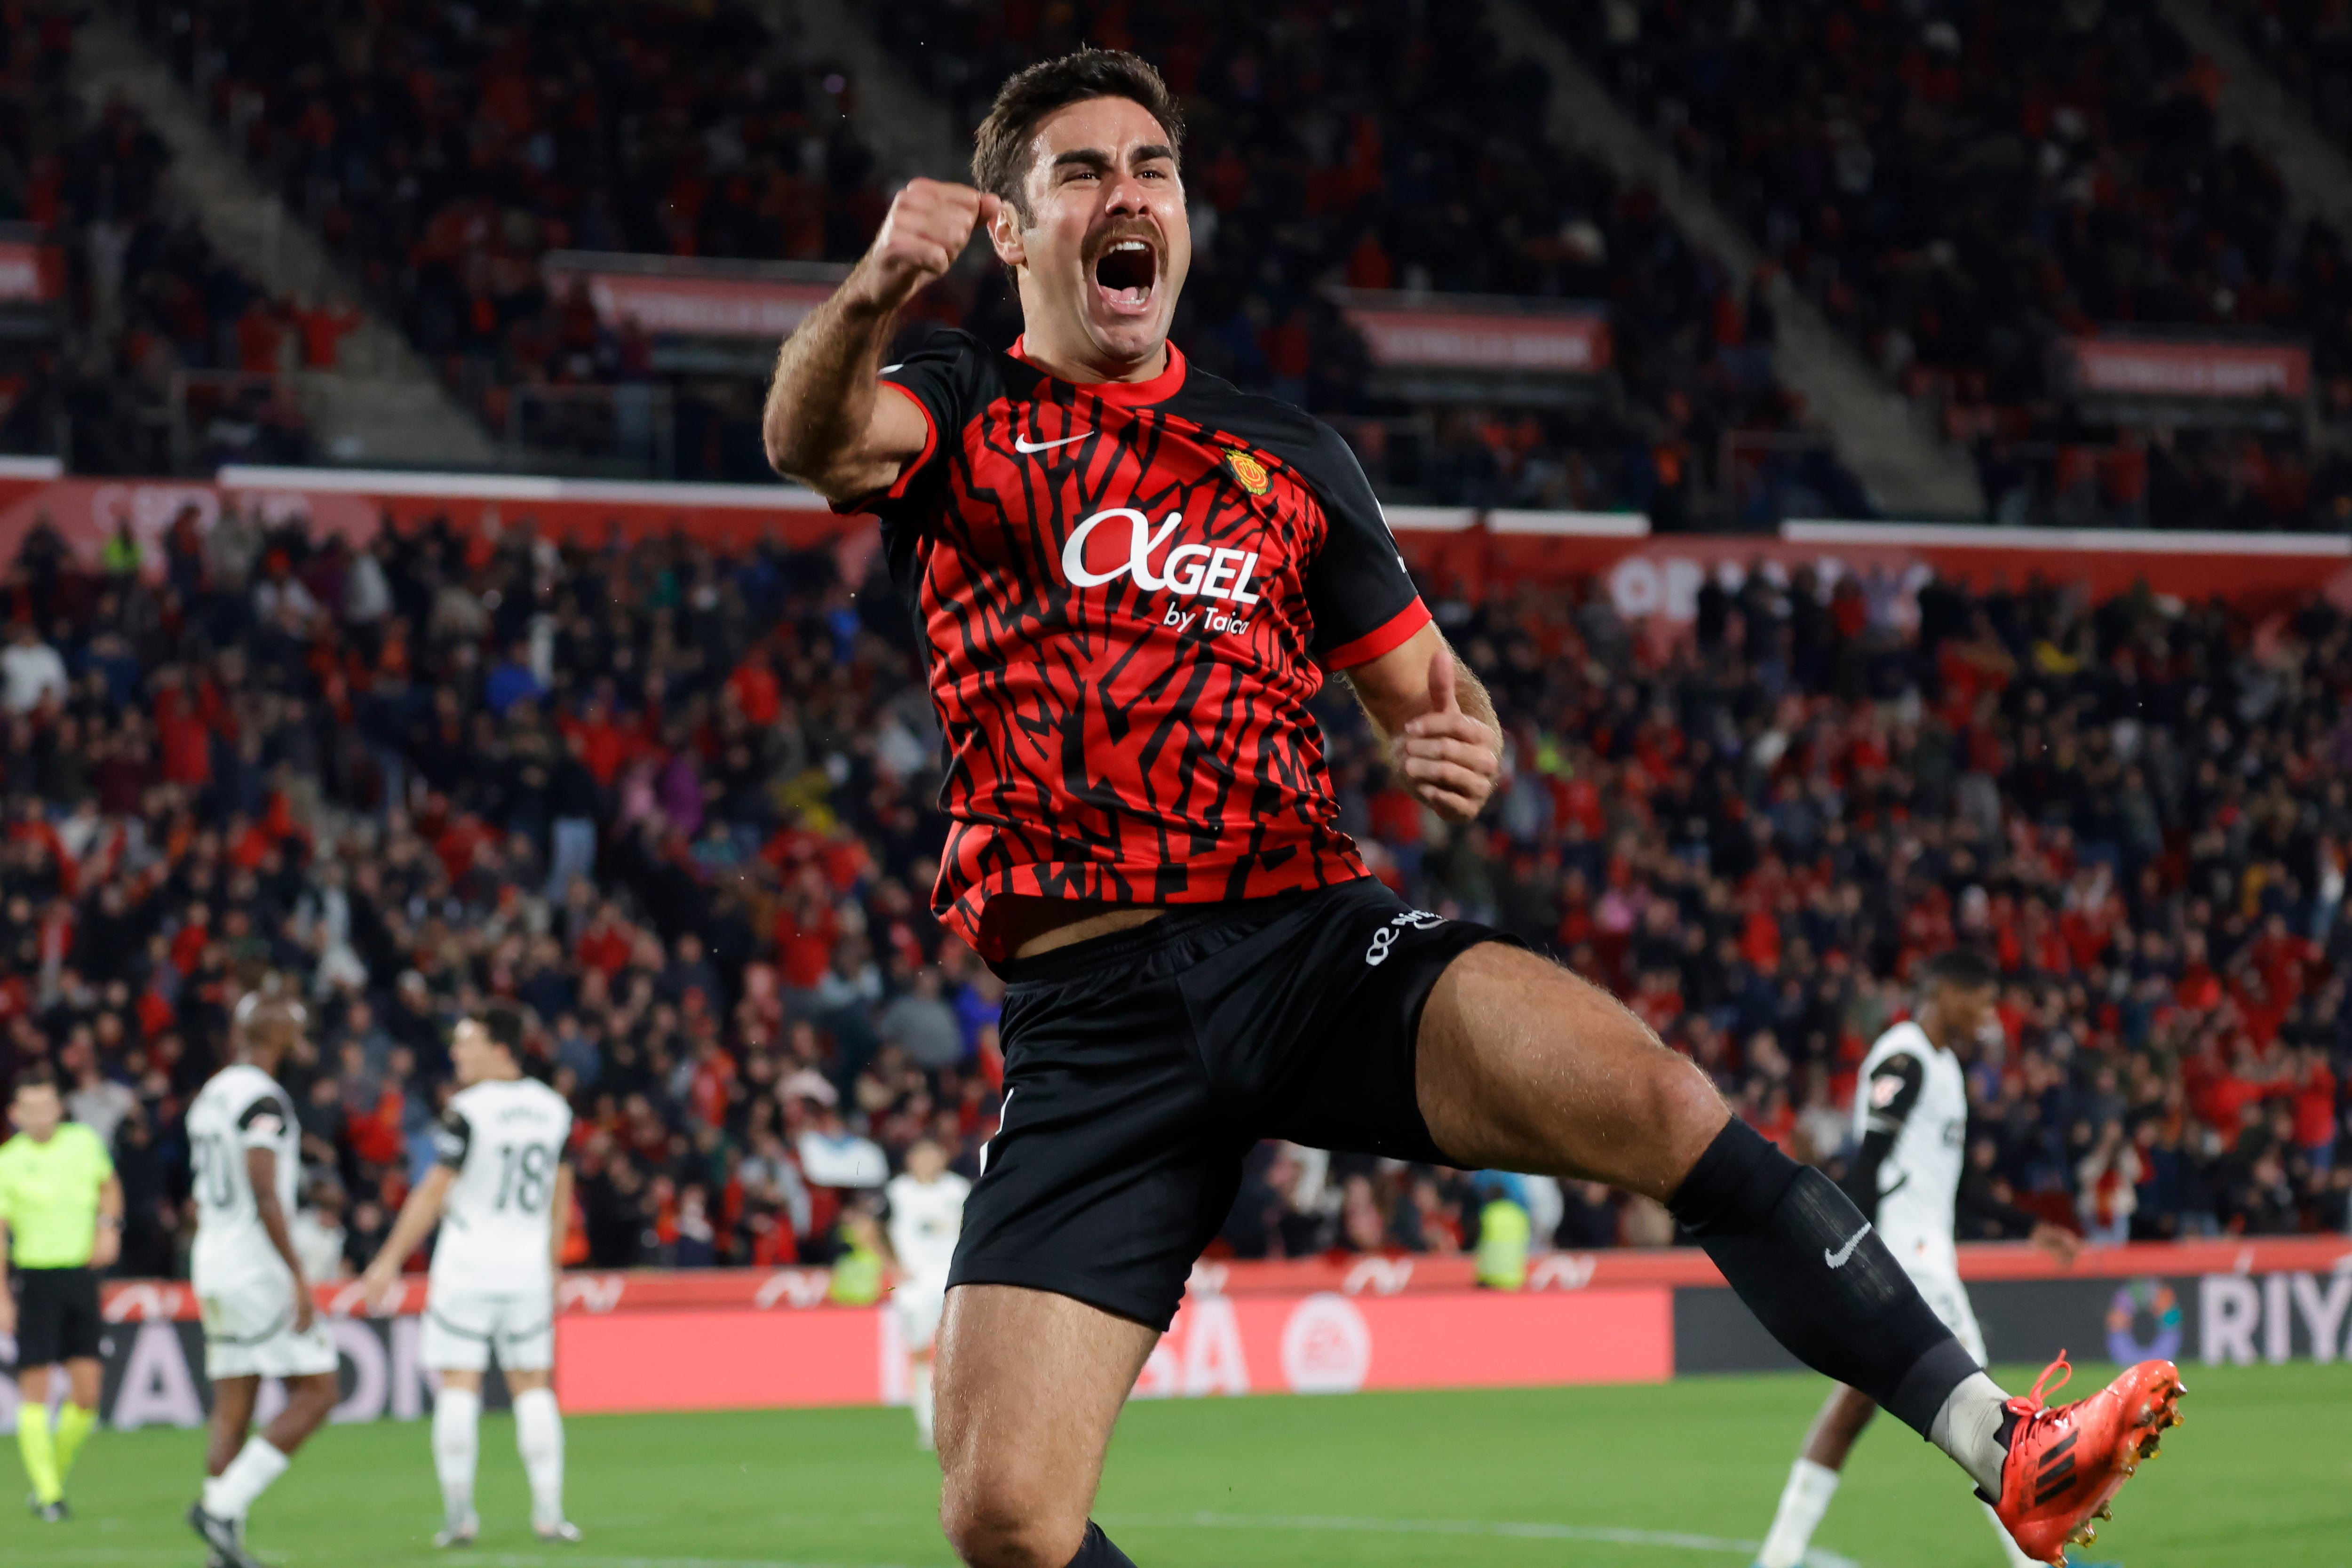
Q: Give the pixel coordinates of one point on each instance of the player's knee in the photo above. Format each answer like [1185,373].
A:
[1001,1517]
[1681,1101]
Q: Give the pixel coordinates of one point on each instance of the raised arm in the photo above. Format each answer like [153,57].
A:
[1436,722]
[826,424]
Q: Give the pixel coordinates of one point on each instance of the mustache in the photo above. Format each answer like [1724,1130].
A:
[1122,231]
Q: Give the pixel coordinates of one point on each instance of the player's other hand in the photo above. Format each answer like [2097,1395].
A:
[929,224]
[106,1247]
[306,1308]
[1449,760]
[2059,1242]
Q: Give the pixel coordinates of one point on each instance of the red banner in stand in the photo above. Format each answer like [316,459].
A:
[697,307]
[30,273]
[1402,336]
[2160,367]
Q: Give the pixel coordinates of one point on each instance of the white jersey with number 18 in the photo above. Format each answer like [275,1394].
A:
[504,1137]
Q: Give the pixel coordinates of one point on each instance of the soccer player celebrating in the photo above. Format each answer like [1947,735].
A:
[259,1315]
[926,1215]
[1130,579]
[1911,1177]
[61,1208]
[503,1183]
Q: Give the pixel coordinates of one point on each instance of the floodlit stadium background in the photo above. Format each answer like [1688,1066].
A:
[1890,463]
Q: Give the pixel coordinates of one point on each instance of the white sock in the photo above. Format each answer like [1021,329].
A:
[1969,1428]
[538,1438]
[920,1389]
[1802,1502]
[457,1445]
[2017,1557]
[248,1475]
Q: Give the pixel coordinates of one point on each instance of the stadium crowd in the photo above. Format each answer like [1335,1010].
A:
[1965,187]
[145,297]
[678,803]
[444,151]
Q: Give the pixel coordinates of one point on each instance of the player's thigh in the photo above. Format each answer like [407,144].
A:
[522,1334]
[1029,1385]
[457,1333]
[1523,1066]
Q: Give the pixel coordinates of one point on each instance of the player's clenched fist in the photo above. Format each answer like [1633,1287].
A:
[929,224]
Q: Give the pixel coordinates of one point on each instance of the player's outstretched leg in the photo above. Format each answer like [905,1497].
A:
[1522,1066]
[457,1448]
[1029,1385]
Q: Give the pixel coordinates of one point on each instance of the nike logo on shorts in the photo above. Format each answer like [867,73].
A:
[1837,1259]
[1021,444]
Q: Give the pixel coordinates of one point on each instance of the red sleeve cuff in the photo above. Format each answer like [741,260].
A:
[1395,634]
[930,443]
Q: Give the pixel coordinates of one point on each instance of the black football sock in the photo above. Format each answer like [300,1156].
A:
[1800,1255]
[1097,1552]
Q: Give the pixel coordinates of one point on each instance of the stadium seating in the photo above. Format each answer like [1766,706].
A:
[678,803]
[444,154]
[1963,189]
[1394,152]
[144,300]
[443,151]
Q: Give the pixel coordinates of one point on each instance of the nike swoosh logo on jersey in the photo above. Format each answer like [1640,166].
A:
[1019,445]
[1837,1259]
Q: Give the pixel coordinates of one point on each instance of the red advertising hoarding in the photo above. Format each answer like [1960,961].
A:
[2163,367]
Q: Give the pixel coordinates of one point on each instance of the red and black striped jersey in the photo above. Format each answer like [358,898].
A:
[1127,594]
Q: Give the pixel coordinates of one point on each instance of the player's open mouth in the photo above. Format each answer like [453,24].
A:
[1124,274]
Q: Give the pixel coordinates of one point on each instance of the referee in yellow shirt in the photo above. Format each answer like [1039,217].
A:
[61,1207]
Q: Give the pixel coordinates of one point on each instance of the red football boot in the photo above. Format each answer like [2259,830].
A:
[2065,1465]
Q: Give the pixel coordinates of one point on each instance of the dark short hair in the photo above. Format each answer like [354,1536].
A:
[38,1076]
[1961,968]
[503,1022]
[1029,95]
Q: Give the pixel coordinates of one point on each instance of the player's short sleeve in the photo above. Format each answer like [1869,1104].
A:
[1358,591]
[1893,1088]
[452,1136]
[263,1123]
[942,378]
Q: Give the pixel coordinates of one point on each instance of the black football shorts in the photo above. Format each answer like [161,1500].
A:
[1140,1068]
[56,1316]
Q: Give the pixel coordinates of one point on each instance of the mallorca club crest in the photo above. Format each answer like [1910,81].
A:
[1248,471]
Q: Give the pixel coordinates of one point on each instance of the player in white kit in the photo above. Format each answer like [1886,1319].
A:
[501,1193]
[926,1215]
[258,1316]
[1910,1179]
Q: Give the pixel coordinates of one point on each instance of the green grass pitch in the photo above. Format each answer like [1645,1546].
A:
[1679,1476]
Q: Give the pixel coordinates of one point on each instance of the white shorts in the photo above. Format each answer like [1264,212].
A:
[462,1328]
[250,1330]
[1944,1292]
[918,1310]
